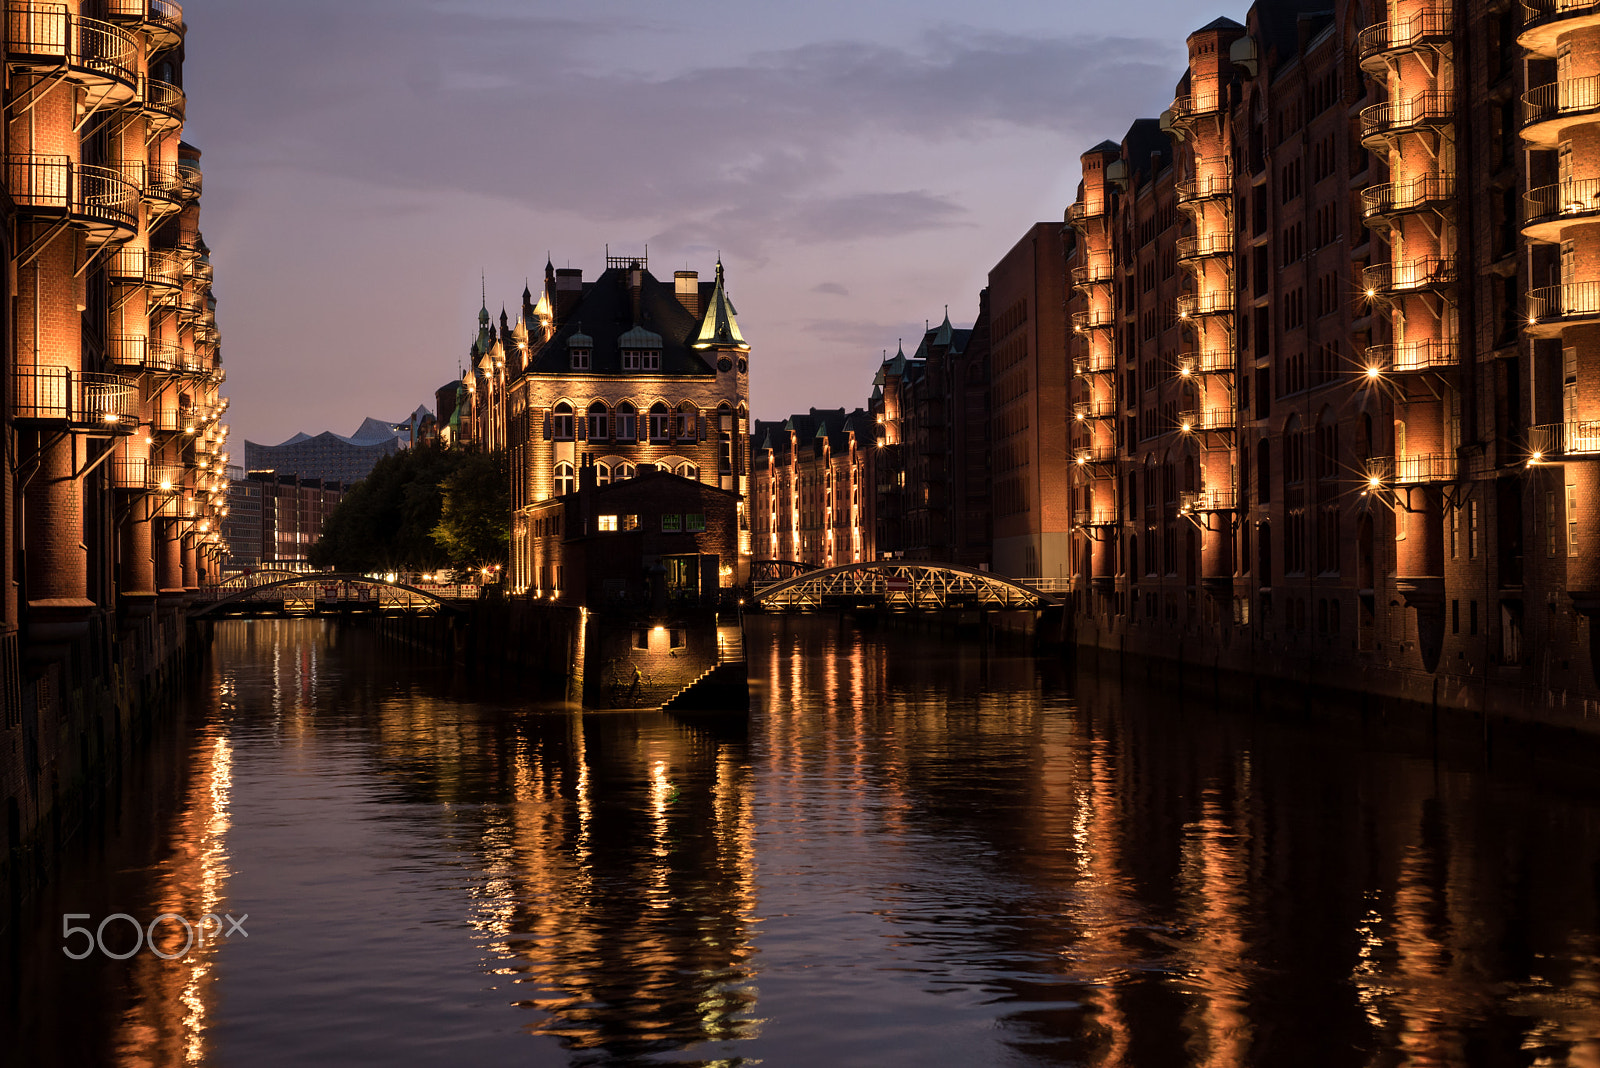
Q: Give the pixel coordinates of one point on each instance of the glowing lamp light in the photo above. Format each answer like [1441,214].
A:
[1184,371]
[1375,482]
[1374,372]
[166,483]
[1080,417]
[1536,458]
[1187,427]
[1371,293]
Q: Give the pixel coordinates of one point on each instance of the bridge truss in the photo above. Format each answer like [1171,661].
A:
[264,594]
[899,586]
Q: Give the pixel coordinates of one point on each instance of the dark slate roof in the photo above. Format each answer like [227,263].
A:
[605,313]
[1145,139]
[1105,146]
[1221,24]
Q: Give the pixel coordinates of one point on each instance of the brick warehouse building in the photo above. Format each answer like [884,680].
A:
[117,485]
[1332,414]
[613,375]
[811,488]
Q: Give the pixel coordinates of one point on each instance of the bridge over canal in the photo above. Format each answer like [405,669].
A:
[272,594]
[899,586]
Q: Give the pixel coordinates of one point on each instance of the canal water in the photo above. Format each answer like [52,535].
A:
[918,852]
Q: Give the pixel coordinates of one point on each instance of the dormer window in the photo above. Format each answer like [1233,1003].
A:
[580,359]
[579,346]
[641,359]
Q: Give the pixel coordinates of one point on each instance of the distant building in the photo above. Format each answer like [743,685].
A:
[810,488]
[277,518]
[331,456]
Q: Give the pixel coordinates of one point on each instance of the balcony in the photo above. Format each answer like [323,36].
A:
[1202,420]
[1419,470]
[1432,192]
[1083,277]
[1550,208]
[1557,441]
[161,19]
[136,353]
[1094,517]
[200,269]
[98,200]
[1208,362]
[1196,305]
[163,106]
[1552,307]
[1429,110]
[1219,243]
[1412,357]
[174,421]
[78,400]
[1209,187]
[1421,275]
[1095,364]
[1186,109]
[191,306]
[161,187]
[1549,109]
[1191,502]
[44,39]
[1094,409]
[1094,455]
[1545,20]
[1378,45]
[1092,320]
[1079,214]
[192,175]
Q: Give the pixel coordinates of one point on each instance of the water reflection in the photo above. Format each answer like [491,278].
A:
[919,854]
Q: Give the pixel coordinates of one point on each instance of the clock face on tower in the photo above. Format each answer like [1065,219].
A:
[724,364]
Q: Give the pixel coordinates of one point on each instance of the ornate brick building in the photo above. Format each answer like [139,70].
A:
[1330,355]
[812,494]
[612,375]
[117,480]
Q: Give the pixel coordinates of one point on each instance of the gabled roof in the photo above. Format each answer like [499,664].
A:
[605,314]
[1219,24]
[720,329]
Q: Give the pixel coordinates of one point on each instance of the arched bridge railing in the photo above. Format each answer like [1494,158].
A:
[319,593]
[764,572]
[902,585]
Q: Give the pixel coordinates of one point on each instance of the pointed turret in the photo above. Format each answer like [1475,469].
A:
[942,337]
[720,329]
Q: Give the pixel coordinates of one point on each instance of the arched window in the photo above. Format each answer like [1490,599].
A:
[686,430]
[602,474]
[597,421]
[561,422]
[725,438]
[627,422]
[564,480]
[688,470]
[658,421]
[622,471]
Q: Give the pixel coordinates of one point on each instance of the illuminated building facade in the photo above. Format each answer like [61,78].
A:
[117,485]
[1330,353]
[811,489]
[614,374]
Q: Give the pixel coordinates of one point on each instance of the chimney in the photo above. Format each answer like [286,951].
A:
[688,286]
[569,288]
[635,285]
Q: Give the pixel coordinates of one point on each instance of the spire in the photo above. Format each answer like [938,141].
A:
[483,310]
[720,329]
[945,334]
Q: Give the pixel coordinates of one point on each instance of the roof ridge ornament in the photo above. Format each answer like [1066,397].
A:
[720,327]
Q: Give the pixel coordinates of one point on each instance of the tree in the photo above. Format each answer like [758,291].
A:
[386,521]
[474,525]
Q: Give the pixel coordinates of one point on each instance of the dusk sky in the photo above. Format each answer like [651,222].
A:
[859,165]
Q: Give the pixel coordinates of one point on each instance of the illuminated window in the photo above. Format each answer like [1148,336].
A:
[694,523]
[671,524]
[602,475]
[630,522]
[658,422]
[564,480]
[607,522]
[561,422]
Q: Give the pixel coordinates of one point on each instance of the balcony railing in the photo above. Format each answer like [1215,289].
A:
[160,185]
[1094,409]
[1415,470]
[81,399]
[1203,419]
[1436,107]
[1208,362]
[99,200]
[1099,363]
[164,104]
[1206,500]
[1575,300]
[1094,454]
[1092,320]
[1208,187]
[1093,275]
[1566,201]
[1094,517]
[1555,103]
[1080,213]
[162,19]
[1409,276]
[1217,243]
[1194,305]
[1393,198]
[189,169]
[1187,108]
[1555,440]
[1412,356]
[200,269]
[1429,28]
[89,52]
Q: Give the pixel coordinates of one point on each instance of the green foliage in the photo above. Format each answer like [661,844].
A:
[387,521]
[475,521]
